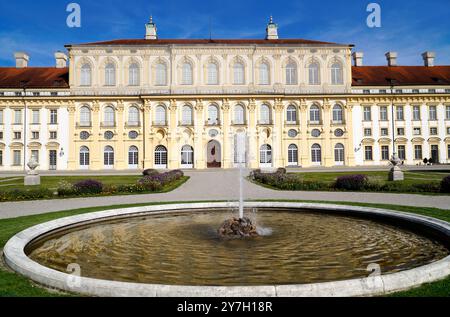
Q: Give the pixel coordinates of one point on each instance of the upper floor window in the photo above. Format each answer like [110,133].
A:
[433,113]
[109,116]
[53,116]
[367,114]
[264,74]
[447,112]
[313,72]
[400,113]
[133,76]
[161,74]
[18,116]
[35,116]
[265,114]
[238,72]
[314,114]
[133,116]
[338,115]
[85,78]
[291,114]
[416,113]
[1,116]
[187,115]
[239,115]
[187,76]
[85,116]
[291,74]
[110,74]
[337,76]
[213,115]
[160,117]
[383,113]
[213,74]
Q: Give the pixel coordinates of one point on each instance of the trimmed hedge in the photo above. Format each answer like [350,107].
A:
[351,182]
[88,186]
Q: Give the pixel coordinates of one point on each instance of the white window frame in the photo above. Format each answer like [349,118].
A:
[265,156]
[239,114]
[291,74]
[161,156]
[161,74]
[314,114]
[108,157]
[134,75]
[187,157]
[264,74]
[238,74]
[213,74]
[85,116]
[265,115]
[338,114]
[133,157]
[84,157]
[339,154]
[86,75]
[110,74]
[161,115]
[187,76]
[316,154]
[337,74]
[293,155]
[291,114]
[314,74]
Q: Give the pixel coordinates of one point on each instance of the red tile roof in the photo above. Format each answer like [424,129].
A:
[34,77]
[206,41]
[402,75]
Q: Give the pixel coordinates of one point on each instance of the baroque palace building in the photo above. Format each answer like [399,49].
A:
[179,103]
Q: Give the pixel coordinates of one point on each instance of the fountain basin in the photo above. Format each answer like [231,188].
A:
[16,256]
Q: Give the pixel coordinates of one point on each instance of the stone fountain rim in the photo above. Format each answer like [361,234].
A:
[16,259]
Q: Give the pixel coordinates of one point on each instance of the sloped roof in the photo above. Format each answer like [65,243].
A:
[34,77]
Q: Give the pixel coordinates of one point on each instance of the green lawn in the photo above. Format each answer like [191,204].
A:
[12,284]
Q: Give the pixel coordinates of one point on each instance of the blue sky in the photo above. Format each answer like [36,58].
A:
[408,27]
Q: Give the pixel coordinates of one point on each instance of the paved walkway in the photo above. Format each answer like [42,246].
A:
[217,185]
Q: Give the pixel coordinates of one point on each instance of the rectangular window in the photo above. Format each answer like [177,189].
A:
[1,157]
[418,152]
[400,131]
[383,113]
[53,135]
[400,113]
[433,131]
[433,113]
[1,117]
[52,158]
[367,132]
[35,135]
[448,151]
[368,153]
[17,158]
[447,113]
[417,131]
[35,155]
[448,131]
[17,135]
[35,117]
[17,116]
[416,113]
[1,135]
[401,152]
[384,132]
[367,114]
[53,116]
[385,153]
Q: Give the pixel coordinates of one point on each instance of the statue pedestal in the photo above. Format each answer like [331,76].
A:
[396,174]
[32,180]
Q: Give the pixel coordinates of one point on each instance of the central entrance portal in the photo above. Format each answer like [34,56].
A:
[214,155]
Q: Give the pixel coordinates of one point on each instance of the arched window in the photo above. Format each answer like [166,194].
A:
[161,74]
[313,71]
[186,115]
[84,157]
[187,157]
[339,152]
[314,114]
[316,154]
[85,78]
[187,77]
[291,74]
[213,74]
[109,119]
[134,75]
[133,116]
[338,116]
[337,77]
[108,157]
[133,157]
[291,115]
[85,116]
[265,155]
[293,155]
[265,114]
[213,115]
[264,74]
[239,114]
[160,157]
[238,72]
[110,74]
[160,115]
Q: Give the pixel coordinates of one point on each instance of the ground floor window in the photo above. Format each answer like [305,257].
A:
[316,154]
[265,154]
[52,159]
[339,153]
[448,152]
[17,158]
[293,155]
[385,152]
[35,155]
[1,157]
[133,156]
[108,157]
[161,157]
[368,153]
[418,152]
[187,156]
[435,154]
[84,156]
[401,152]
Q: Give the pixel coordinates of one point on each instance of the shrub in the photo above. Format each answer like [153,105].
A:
[445,185]
[65,189]
[158,181]
[426,187]
[88,186]
[351,182]
[281,170]
[25,194]
[149,172]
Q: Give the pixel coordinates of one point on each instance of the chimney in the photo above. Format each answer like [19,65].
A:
[21,59]
[61,60]
[428,58]
[391,58]
[151,30]
[358,58]
[272,30]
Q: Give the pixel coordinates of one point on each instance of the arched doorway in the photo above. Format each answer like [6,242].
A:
[214,154]
[187,157]
[265,156]
[160,157]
